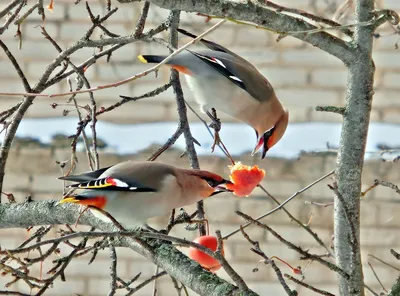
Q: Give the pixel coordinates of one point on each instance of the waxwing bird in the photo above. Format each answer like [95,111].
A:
[134,191]
[221,79]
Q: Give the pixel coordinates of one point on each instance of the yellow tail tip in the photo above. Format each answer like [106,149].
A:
[68,199]
[142,59]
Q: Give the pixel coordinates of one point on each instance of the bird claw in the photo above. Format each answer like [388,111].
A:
[215,124]
[217,141]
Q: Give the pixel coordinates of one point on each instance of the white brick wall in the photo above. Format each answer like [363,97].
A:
[294,68]
[284,177]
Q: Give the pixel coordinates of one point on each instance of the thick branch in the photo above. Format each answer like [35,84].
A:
[164,254]
[396,288]
[351,152]
[257,13]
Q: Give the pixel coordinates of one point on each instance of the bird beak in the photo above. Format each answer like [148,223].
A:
[222,188]
[263,142]
[260,143]
[219,188]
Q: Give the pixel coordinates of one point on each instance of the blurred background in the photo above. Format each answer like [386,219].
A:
[303,77]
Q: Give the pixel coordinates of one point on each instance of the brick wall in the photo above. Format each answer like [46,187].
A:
[303,77]
[34,172]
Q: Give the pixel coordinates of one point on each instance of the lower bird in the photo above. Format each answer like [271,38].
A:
[133,191]
[221,79]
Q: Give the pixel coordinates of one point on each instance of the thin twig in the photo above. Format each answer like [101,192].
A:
[306,254]
[16,66]
[227,267]
[308,286]
[146,282]
[7,113]
[22,18]
[383,262]
[113,271]
[306,227]
[142,19]
[171,141]
[333,109]
[310,16]
[387,184]
[7,9]
[12,17]
[155,282]
[126,99]
[395,254]
[376,276]
[256,249]
[118,83]
[282,204]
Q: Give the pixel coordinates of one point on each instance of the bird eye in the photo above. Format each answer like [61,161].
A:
[269,132]
[212,183]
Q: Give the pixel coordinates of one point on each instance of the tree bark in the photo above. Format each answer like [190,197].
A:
[395,288]
[351,153]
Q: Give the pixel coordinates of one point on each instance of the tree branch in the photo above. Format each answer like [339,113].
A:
[257,13]
[42,85]
[301,283]
[182,114]
[351,152]
[395,288]
[163,254]
[306,254]
[8,8]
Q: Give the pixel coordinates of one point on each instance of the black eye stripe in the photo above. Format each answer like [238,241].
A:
[270,132]
[210,181]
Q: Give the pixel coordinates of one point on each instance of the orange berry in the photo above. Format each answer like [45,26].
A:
[244,178]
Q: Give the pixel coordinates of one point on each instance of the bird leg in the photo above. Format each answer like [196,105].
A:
[216,126]
[216,122]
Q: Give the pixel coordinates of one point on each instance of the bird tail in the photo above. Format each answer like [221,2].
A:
[151,58]
[94,201]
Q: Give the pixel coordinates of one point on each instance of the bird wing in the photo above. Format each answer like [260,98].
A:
[110,183]
[133,176]
[87,176]
[238,71]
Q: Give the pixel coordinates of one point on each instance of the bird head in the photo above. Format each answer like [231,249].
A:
[267,139]
[211,184]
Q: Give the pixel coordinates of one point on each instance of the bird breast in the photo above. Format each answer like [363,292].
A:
[216,91]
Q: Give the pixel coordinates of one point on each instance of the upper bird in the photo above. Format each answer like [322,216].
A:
[134,191]
[221,79]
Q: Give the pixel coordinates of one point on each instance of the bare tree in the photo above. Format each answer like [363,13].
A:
[353,48]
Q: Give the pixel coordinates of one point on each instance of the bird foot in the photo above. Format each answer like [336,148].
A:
[216,122]
[217,141]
